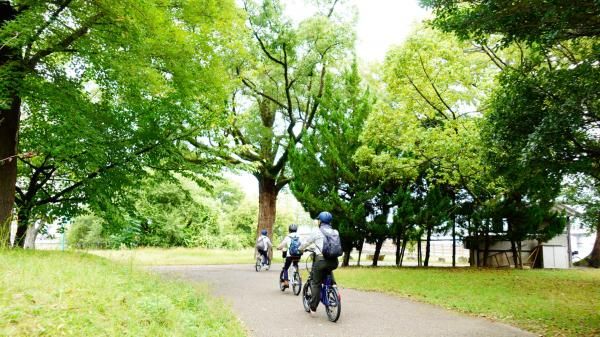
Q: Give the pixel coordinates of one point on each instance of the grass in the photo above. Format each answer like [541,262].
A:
[181,256]
[548,302]
[46,293]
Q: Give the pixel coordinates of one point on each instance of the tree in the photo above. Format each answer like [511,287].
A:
[325,174]
[426,129]
[123,81]
[535,21]
[282,76]
[545,111]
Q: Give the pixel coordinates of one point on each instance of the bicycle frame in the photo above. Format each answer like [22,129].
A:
[324,288]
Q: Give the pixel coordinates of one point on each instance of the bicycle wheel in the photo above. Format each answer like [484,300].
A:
[281,286]
[297,283]
[257,266]
[334,307]
[306,295]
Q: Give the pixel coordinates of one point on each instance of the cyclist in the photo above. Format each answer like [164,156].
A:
[322,266]
[291,252]
[263,244]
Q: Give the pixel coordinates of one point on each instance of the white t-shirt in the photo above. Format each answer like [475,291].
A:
[316,238]
[265,239]
[287,241]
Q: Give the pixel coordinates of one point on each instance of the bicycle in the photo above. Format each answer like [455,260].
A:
[259,264]
[329,295]
[296,281]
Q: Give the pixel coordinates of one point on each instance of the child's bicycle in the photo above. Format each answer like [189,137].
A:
[295,280]
[330,296]
[259,264]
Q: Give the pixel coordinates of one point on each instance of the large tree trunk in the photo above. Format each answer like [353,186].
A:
[267,205]
[378,244]
[22,227]
[428,247]
[30,236]
[9,128]
[594,258]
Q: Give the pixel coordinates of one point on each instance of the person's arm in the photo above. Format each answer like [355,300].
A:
[311,239]
[283,243]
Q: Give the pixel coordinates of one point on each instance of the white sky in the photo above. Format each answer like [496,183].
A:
[381,24]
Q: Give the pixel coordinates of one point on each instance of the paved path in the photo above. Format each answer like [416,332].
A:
[255,296]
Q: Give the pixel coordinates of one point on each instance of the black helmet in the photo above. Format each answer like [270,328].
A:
[293,228]
[263,232]
[325,217]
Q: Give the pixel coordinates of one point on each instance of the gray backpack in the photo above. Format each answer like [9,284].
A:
[332,245]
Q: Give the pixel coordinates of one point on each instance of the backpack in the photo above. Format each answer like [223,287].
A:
[294,248]
[332,245]
[260,243]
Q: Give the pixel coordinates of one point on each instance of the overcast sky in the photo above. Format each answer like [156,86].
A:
[381,24]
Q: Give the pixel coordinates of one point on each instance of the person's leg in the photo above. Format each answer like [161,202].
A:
[286,266]
[317,274]
[263,253]
[331,266]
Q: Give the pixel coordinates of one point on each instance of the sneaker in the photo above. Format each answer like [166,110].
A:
[286,283]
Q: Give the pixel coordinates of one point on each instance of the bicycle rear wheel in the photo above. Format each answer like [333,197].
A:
[306,296]
[257,266]
[296,283]
[334,307]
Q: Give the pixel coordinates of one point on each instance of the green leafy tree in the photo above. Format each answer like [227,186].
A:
[282,72]
[326,176]
[117,72]
[544,115]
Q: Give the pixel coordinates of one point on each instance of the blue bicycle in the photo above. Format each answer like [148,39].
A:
[330,296]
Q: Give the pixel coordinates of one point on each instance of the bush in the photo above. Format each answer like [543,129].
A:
[86,232]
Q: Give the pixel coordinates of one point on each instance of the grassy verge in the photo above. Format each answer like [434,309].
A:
[549,302]
[72,294]
[181,256]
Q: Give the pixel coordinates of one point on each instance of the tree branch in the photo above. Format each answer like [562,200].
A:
[64,43]
[43,27]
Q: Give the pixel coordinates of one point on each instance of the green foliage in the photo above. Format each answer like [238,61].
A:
[93,296]
[542,117]
[106,90]
[546,22]
[86,232]
[327,178]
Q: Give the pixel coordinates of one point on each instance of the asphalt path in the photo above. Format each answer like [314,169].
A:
[266,311]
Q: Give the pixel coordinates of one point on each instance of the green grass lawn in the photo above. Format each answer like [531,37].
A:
[46,293]
[181,256]
[549,302]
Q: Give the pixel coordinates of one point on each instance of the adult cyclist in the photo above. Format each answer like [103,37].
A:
[323,264]
[291,252]
[263,243]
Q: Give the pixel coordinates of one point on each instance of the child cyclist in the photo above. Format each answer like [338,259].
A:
[291,252]
[263,244]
